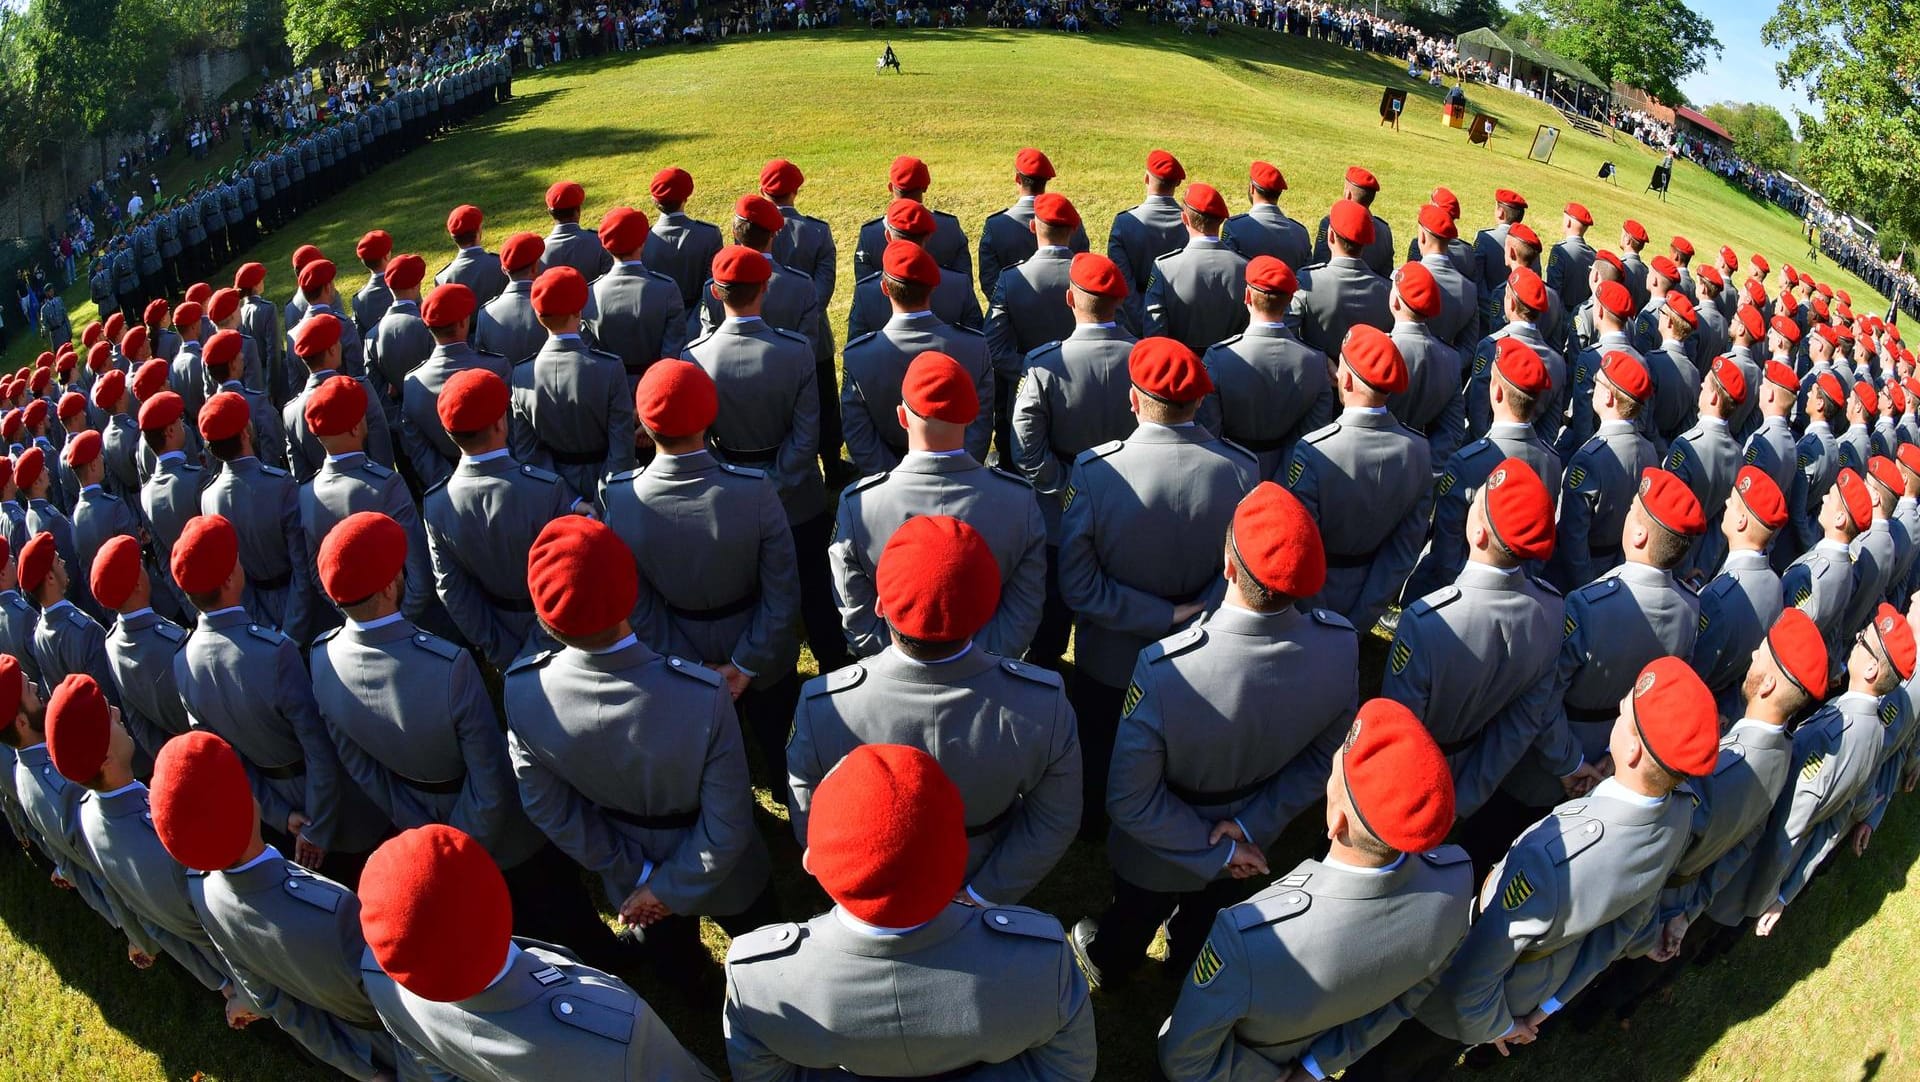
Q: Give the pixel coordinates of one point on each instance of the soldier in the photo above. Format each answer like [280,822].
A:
[1196,295]
[30,472]
[1729,297]
[1682,250]
[371,302]
[100,286]
[568,245]
[1368,482]
[196,256]
[1490,250]
[213,218]
[1377,250]
[1389,805]
[1707,457]
[1144,233]
[1816,467]
[456,989]
[1822,343]
[1742,602]
[636,312]
[1746,336]
[1572,258]
[938,476]
[1872,551]
[507,324]
[140,647]
[806,245]
[248,370]
[482,519]
[1270,388]
[472,266]
[1008,238]
[648,790]
[146,253]
[162,340]
[1342,292]
[14,515]
[1517,380]
[1906,523]
[283,931]
[1574,886]
[1265,229]
[261,322]
[1715,337]
[65,639]
[98,514]
[186,372]
[1821,581]
[221,357]
[171,495]
[908,178]
[1458,321]
[1676,379]
[1186,830]
[788,301]
[1125,593]
[1856,443]
[1633,238]
[1030,303]
[680,246]
[401,341]
[876,364]
[953,299]
[316,285]
[317,342]
[263,504]
[1431,405]
[126,277]
[572,404]
[447,313]
[938,585]
[896,936]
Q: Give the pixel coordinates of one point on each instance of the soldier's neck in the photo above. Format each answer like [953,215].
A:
[1338,852]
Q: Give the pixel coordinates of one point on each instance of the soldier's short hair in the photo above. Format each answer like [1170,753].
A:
[156,439]
[225,450]
[1258,596]
[205,602]
[1520,402]
[1162,411]
[466,240]
[1345,247]
[1270,304]
[911,294]
[1608,273]
[1665,548]
[1100,307]
[1030,184]
[753,236]
[739,292]
[924,649]
[1205,223]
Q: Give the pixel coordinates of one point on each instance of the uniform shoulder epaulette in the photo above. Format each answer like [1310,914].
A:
[605,356]
[266,634]
[1446,856]
[865,278]
[741,471]
[1333,619]
[376,469]
[840,679]
[531,661]
[312,890]
[490,353]
[1322,433]
[1731,755]
[78,618]
[866,482]
[1599,588]
[1097,452]
[580,1006]
[1232,446]
[530,470]
[1021,921]
[879,220]
[1436,600]
[1577,835]
[434,644]
[1268,910]
[20,603]
[326,636]
[705,335]
[1226,342]
[621,476]
[696,670]
[1027,671]
[963,329]
[770,942]
[795,335]
[794,270]
[171,631]
[273,471]
[863,338]
[1174,645]
[1009,475]
[1541,582]
[651,273]
[437,485]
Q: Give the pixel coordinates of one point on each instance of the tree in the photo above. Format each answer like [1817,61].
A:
[1649,44]
[1760,133]
[1857,59]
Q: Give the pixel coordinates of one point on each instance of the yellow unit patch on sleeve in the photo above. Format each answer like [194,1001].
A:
[1132,700]
[1571,626]
[1402,653]
[1814,762]
[1067,500]
[1294,472]
[1516,892]
[1575,476]
[1207,966]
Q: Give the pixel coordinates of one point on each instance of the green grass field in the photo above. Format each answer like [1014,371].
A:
[1830,997]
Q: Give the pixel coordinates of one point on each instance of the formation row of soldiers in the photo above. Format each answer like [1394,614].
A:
[499,593]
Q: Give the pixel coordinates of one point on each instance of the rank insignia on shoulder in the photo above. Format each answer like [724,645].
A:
[1888,711]
[1572,626]
[1575,476]
[1066,501]
[1402,653]
[1753,453]
[1580,375]
[1207,966]
[1294,472]
[1800,599]
[548,976]
[1702,629]
[1675,459]
[1446,484]
[1814,762]
[1516,892]
[1132,700]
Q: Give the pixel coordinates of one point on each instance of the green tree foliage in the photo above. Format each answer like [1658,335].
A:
[1760,133]
[316,26]
[1649,44]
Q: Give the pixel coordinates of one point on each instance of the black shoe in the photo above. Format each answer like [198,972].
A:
[1082,938]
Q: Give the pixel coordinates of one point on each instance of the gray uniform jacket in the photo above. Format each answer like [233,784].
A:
[99,516]
[1834,756]
[425,440]
[397,345]
[305,455]
[1453,493]
[1728,820]
[636,315]
[683,249]
[806,245]
[117,830]
[1549,406]
[570,246]
[948,246]
[372,301]
[996,503]
[1432,403]
[140,651]
[1138,237]
[632,763]
[876,365]
[507,325]
[478,270]
[1197,295]
[1201,739]
[1001,729]
[1303,970]
[1816,467]
[260,321]
[1377,255]
[1820,584]
[1028,308]
[415,730]
[1567,267]
[547,1016]
[1602,478]
[572,412]
[480,524]
[989,994]
[769,408]
[1458,323]
[1367,480]
[1707,458]
[1772,448]
[1270,390]
[1141,528]
[953,300]
[1475,661]
[716,554]
[51,805]
[1072,396]
[1737,609]
[1337,295]
[1007,239]
[18,618]
[263,503]
[789,302]
[67,641]
[1873,556]
[350,483]
[1265,229]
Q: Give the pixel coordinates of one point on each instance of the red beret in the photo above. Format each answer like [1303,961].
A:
[12,684]
[937,388]
[42,377]
[449,305]
[1397,780]
[1844,311]
[1520,365]
[155,314]
[1417,289]
[1615,299]
[1683,246]
[671,185]
[1278,542]
[135,341]
[1853,493]
[781,178]
[201,802]
[1909,456]
[1604,255]
[72,404]
[82,449]
[1897,395]
[1166,369]
[315,335]
[1164,166]
[304,255]
[435,913]
[523,250]
[1682,309]
[117,324]
[1665,268]
[78,724]
[1761,263]
[1362,179]
[206,553]
[937,580]
[581,576]
[1668,501]
[1728,257]
[1447,201]
[1730,378]
[559,291]
[1762,496]
[908,174]
[1635,230]
[249,276]
[28,466]
[1029,162]
[465,218]
[186,316]
[1845,297]
[374,246]
[1676,717]
[565,195]
[1782,376]
[1053,208]
[1861,389]
[1579,214]
[1710,274]
[360,557]
[1752,321]
[1829,385]
[737,264]
[472,400]
[150,379]
[406,272]
[1205,199]
[760,211]
[1820,308]
[909,218]
[1896,637]
[315,277]
[1882,469]
[1785,328]
[1526,285]
[36,560]
[224,416]
[1510,198]
[1799,649]
[905,261]
[1098,275]
[334,407]
[1374,358]
[1520,510]
[1269,274]
[109,388]
[1351,222]
[198,293]
[1435,219]
[887,836]
[678,398]
[115,571]
[1524,233]
[223,304]
[223,348]
[1267,177]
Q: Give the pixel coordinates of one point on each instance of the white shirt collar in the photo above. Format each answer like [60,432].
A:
[56,606]
[1156,424]
[859,927]
[211,613]
[513,955]
[1355,869]
[130,786]
[1754,725]
[622,644]
[955,453]
[963,652]
[488,456]
[1613,788]
[377,624]
[125,616]
[269,853]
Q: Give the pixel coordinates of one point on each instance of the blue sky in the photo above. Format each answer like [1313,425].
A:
[1745,68]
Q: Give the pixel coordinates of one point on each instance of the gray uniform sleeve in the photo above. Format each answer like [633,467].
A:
[980,432]
[1555,742]
[1002,347]
[379,436]
[1023,594]
[1032,437]
[398,802]
[574,824]
[1501,745]
[1392,564]
[1197,1043]
[1086,587]
[869,452]
[1787,837]
[620,454]
[710,851]
[768,644]
[1070,1055]
[1156,303]
[465,603]
[794,460]
[1493,946]
[1138,801]
[1046,823]
[1601,947]
[673,337]
[1301,783]
[747,1058]
[428,464]
[325,781]
[488,798]
[854,592]
[340,1046]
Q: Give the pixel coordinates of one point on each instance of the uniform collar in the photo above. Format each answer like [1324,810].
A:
[1613,789]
